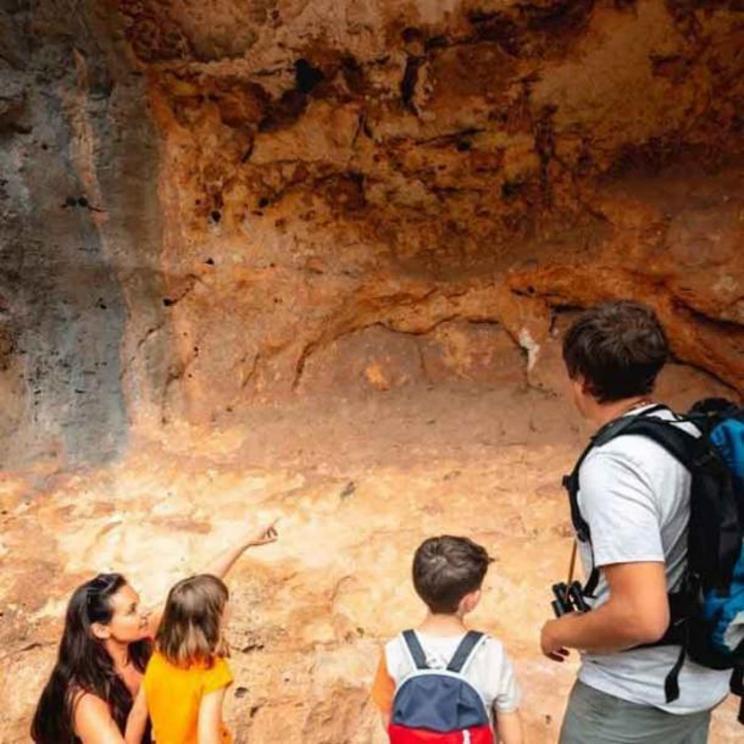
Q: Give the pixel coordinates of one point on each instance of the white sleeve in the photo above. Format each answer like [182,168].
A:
[617,501]
[504,686]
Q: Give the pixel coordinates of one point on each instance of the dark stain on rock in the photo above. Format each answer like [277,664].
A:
[498,28]
[674,67]
[353,74]
[408,83]
[284,112]
[545,147]
[564,16]
[345,191]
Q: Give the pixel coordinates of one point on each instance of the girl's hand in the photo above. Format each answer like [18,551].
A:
[264,535]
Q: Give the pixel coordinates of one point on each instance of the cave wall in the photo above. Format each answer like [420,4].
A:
[208,206]
[339,169]
[79,235]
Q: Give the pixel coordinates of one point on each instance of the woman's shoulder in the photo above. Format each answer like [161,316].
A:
[91,713]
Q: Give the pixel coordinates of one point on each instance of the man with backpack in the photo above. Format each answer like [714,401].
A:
[651,569]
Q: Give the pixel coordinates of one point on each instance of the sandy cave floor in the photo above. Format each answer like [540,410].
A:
[358,483]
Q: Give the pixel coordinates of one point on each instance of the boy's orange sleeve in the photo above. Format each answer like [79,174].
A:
[383,688]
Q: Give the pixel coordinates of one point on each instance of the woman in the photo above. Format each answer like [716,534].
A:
[102,657]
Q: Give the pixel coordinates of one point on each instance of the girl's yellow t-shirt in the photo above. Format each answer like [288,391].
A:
[174,695]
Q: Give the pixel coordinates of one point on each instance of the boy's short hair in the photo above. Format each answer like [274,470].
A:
[618,348]
[447,568]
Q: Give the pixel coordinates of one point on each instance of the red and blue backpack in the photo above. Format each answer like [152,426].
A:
[439,706]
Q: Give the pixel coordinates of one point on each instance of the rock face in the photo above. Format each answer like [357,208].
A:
[303,244]
[331,171]
[199,199]
[80,234]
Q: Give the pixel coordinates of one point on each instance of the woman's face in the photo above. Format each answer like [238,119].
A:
[129,622]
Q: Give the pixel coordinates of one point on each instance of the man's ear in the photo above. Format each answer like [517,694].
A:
[586,388]
[100,631]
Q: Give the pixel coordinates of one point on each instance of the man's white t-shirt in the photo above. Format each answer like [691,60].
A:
[636,499]
[490,672]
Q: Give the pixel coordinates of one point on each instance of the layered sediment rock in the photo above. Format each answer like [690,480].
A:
[198,199]
[341,241]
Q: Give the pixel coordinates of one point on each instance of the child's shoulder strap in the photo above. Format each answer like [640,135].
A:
[414,649]
[465,651]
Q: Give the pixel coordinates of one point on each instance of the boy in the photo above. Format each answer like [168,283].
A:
[447,574]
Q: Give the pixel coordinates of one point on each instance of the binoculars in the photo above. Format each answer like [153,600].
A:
[568,598]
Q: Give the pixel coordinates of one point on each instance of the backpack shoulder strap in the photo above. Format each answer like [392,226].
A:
[605,434]
[414,648]
[680,444]
[465,651]
[571,482]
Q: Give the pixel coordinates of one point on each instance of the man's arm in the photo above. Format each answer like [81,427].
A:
[636,613]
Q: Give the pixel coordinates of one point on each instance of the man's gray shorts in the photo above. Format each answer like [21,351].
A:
[593,717]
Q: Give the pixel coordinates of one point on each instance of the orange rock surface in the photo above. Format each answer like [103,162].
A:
[315,258]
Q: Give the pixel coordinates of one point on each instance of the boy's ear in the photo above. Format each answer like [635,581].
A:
[100,631]
[470,601]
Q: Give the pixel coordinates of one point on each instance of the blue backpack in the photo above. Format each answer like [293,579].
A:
[439,706]
[707,613]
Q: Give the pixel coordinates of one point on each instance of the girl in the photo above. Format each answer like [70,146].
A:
[186,679]
[102,657]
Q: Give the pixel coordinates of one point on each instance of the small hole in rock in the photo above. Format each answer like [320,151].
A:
[307,76]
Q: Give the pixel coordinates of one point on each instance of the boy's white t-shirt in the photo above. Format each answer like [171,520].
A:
[489,670]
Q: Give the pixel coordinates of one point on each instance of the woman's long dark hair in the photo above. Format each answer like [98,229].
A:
[84,665]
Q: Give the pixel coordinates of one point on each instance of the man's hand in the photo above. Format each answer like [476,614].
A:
[551,647]
[636,613]
[263,536]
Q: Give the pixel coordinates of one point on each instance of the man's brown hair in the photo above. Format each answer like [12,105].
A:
[617,348]
[447,568]
[190,631]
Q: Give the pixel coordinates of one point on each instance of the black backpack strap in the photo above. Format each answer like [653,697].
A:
[414,648]
[464,651]
[671,683]
[681,445]
[737,688]
[571,483]
[701,459]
